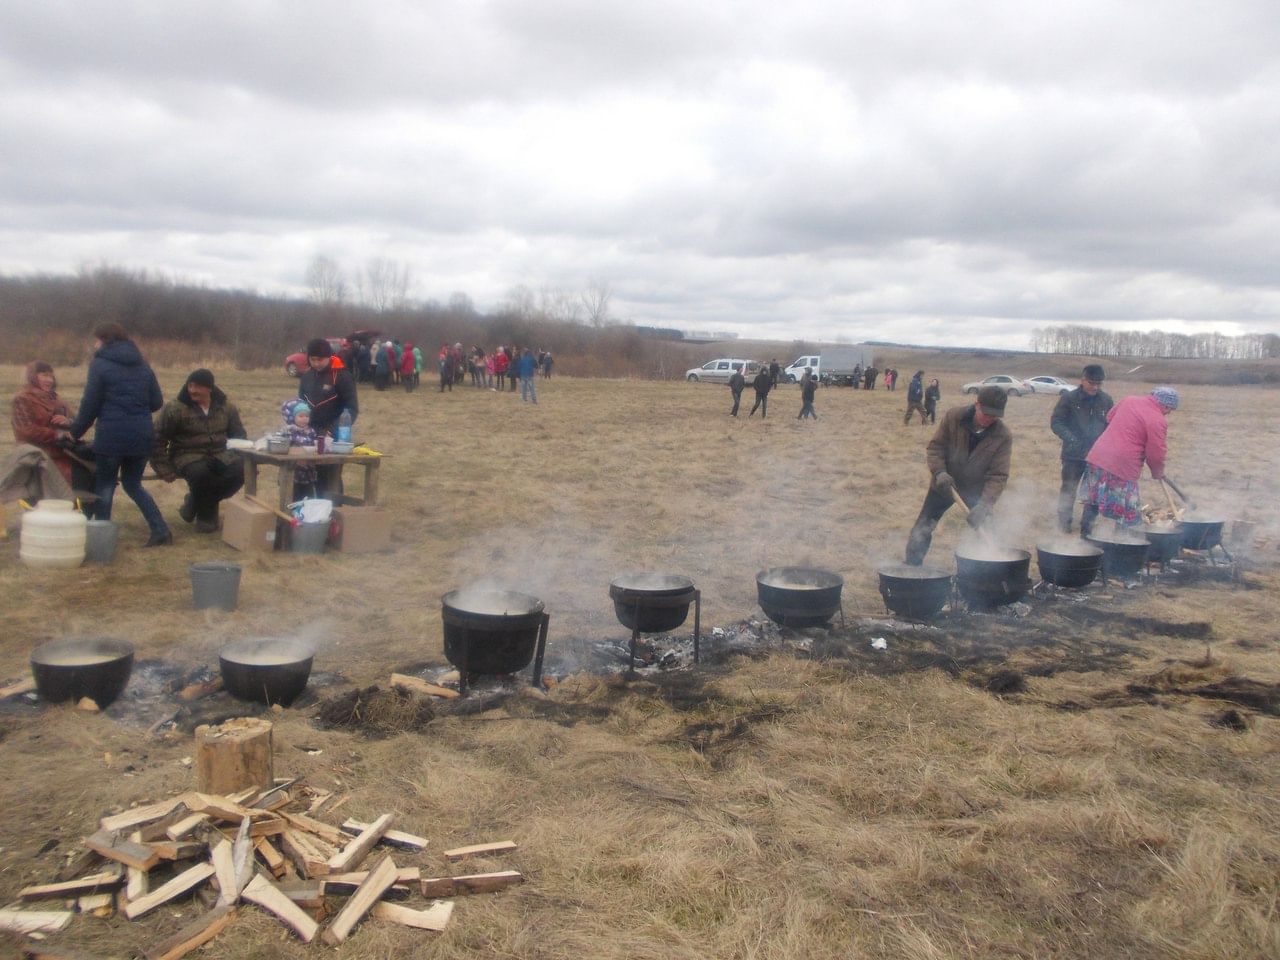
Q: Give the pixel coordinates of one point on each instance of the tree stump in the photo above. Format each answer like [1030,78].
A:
[234,756]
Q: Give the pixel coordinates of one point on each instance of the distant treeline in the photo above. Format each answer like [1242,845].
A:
[1091,341]
[51,318]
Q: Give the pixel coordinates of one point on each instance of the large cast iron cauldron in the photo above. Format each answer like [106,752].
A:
[1124,554]
[799,596]
[266,670]
[490,631]
[1201,533]
[651,602]
[1165,541]
[72,669]
[1068,563]
[992,576]
[917,593]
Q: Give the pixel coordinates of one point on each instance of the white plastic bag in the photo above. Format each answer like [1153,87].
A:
[312,511]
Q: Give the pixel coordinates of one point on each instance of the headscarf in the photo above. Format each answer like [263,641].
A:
[1166,397]
[36,367]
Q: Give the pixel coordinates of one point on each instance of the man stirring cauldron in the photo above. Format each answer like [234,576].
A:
[969,455]
[1079,420]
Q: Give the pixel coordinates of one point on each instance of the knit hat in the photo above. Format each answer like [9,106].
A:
[319,347]
[201,378]
[1166,397]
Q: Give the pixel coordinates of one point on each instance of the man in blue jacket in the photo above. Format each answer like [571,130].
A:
[525,368]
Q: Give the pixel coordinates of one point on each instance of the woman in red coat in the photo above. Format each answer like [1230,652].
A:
[407,366]
[41,418]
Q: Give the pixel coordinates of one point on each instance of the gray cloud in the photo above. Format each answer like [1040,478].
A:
[811,169]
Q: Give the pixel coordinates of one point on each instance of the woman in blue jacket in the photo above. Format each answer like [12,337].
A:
[121,394]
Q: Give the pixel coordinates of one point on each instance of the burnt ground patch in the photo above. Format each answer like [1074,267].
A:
[1133,627]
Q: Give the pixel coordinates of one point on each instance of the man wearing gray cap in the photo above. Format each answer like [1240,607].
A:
[1078,420]
[969,455]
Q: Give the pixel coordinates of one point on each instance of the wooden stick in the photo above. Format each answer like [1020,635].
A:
[270,856]
[264,894]
[195,934]
[1177,514]
[345,884]
[94,884]
[179,885]
[480,849]
[21,686]
[472,883]
[286,517]
[34,921]
[418,685]
[194,691]
[435,917]
[397,838]
[351,855]
[378,882]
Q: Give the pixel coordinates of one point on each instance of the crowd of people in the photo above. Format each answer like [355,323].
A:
[389,363]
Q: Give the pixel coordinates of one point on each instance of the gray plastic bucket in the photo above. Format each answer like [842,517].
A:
[101,539]
[308,537]
[215,585]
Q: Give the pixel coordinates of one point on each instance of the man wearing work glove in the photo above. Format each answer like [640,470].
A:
[969,455]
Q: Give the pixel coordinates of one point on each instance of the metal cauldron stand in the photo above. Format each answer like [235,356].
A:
[544,620]
[638,600]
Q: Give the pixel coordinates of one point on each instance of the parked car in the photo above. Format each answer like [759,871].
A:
[719,371]
[295,363]
[1011,385]
[1045,384]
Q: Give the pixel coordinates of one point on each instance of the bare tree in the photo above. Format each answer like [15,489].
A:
[384,285]
[595,301]
[324,277]
[558,305]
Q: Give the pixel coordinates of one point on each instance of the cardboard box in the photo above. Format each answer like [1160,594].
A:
[362,529]
[247,526]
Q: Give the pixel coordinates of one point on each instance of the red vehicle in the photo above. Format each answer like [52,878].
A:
[295,363]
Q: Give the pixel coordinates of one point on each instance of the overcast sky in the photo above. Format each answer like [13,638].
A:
[927,171]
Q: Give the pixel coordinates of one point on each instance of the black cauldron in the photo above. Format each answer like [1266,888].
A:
[490,631]
[266,670]
[73,669]
[1165,541]
[651,602]
[993,577]
[916,593]
[1123,554]
[799,596]
[1201,534]
[1068,563]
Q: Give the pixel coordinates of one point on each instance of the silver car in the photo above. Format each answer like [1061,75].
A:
[1011,385]
[719,371]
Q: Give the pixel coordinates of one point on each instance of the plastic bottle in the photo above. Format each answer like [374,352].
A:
[343,433]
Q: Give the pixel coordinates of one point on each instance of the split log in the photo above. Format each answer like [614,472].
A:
[345,884]
[480,849]
[324,831]
[234,756]
[472,883]
[307,894]
[34,921]
[131,854]
[379,880]
[195,934]
[79,863]
[224,872]
[72,888]
[435,917]
[264,893]
[140,815]
[194,691]
[270,856]
[221,808]
[396,838]
[304,856]
[354,852]
[98,904]
[418,685]
[136,885]
[178,850]
[182,883]
[22,686]
[186,826]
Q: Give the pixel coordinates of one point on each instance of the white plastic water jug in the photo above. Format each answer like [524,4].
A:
[53,535]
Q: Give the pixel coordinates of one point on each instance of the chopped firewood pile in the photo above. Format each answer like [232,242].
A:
[267,848]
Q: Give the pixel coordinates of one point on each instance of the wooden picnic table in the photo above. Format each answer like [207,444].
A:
[286,462]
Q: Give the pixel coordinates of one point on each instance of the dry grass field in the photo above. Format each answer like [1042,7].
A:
[841,803]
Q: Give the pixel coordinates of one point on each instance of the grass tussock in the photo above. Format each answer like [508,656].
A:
[855,803]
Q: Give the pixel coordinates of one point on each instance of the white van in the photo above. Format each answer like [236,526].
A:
[719,371]
[795,370]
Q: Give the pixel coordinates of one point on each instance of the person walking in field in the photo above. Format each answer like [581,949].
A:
[915,398]
[808,391]
[737,383]
[932,394]
[1078,419]
[763,384]
[527,367]
[775,371]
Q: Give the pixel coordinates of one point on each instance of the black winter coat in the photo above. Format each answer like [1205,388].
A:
[120,396]
[915,390]
[763,382]
[328,393]
[737,382]
[1079,421]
